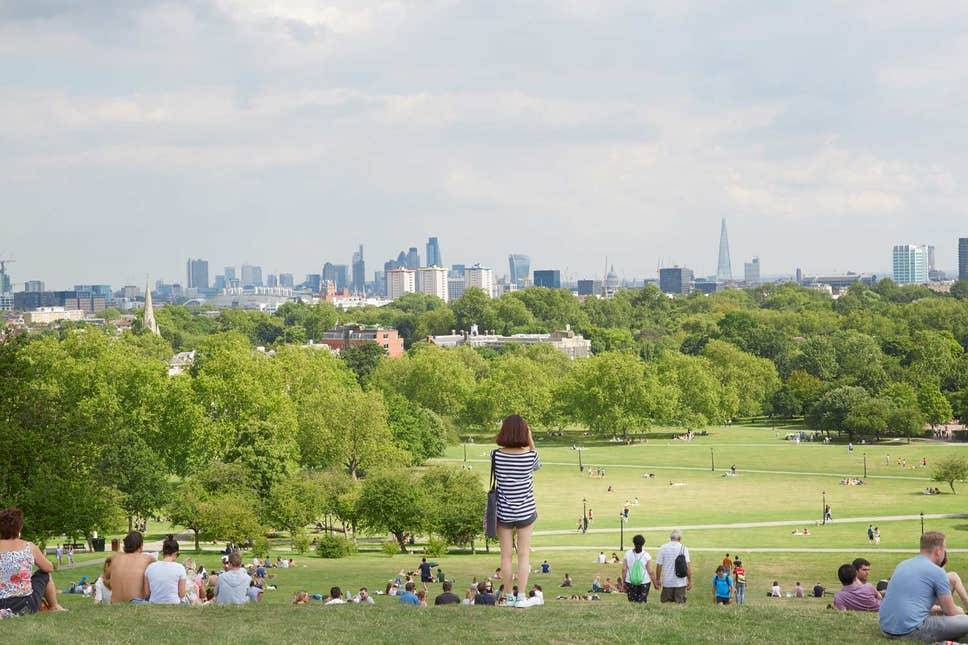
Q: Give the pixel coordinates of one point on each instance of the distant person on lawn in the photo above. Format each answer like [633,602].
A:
[166,579]
[673,585]
[409,597]
[739,581]
[637,571]
[448,597]
[855,595]
[918,584]
[128,570]
[722,586]
[514,464]
[233,583]
[426,571]
[23,590]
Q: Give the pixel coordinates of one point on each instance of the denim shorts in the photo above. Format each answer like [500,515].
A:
[518,524]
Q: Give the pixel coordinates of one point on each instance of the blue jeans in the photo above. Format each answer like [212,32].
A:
[740,594]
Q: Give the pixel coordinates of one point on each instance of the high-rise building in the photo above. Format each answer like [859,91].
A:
[675,280]
[34,286]
[251,275]
[433,280]
[724,268]
[6,284]
[931,266]
[286,280]
[589,287]
[550,278]
[455,288]
[359,271]
[336,274]
[520,268]
[457,271]
[413,259]
[751,273]
[399,282]
[272,281]
[231,280]
[219,283]
[313,283]
[197,274]
[481,278]
[434,258]
[963,258]
[910,263]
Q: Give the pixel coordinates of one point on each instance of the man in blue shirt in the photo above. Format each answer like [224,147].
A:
[408,597]
[918,585]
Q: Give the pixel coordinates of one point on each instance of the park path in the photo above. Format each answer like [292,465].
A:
[740,549]
[756,525]
[649,467]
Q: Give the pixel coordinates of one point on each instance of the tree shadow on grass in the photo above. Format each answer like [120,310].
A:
[960,527]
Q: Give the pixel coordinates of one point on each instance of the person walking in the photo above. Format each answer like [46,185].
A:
[637,571]
[514,464]
[673,569]
[739,581]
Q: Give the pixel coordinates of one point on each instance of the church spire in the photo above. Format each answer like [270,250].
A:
[149,314]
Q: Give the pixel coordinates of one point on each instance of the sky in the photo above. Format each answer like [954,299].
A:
[137,133]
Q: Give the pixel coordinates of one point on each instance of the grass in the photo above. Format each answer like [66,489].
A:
[777,481]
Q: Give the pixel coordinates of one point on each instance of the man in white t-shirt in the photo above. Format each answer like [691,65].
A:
[637,571]
[673,587]
[165,579]
[601,557]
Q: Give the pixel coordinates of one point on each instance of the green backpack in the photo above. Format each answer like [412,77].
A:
[637,572]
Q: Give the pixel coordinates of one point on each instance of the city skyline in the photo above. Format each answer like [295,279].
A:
[825,134]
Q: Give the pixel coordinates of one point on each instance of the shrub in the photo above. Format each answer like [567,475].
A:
[300,543]
[333,547]
[436,547]
[390,547]
[260,547]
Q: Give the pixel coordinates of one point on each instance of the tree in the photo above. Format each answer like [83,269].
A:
[796,396]
[514,384]
[818,358]
[960,290]
[472,308]
[831,411]
[950,470]
[435,378]
[361,437]
[457,503]
[748,382]
[186,507]
[700,393]
[231,517]
[139,476]
[295,502]
[869,418]
[363,359]
[415,428]
[933,404]
[393,501]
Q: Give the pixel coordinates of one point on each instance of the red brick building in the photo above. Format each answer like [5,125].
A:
[352,335]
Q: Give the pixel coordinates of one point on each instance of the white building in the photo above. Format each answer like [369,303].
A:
[568,342]
[910,264]
[433,280]
[751,273]
[400,281]
[47,315]
[481,278]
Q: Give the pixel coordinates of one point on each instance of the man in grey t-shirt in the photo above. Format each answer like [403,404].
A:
[918,585]
[233,584]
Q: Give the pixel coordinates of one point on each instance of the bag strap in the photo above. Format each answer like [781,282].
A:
[493,476]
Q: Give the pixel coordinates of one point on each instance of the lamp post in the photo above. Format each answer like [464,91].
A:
[581,468]
[584,515]
[865,465]
[712,460]
[922,522]
[621,532]
[465,455]
[824,494]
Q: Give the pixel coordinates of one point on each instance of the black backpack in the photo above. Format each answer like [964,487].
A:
[682,567]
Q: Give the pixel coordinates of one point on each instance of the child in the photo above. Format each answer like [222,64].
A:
[722,586]
[739,575]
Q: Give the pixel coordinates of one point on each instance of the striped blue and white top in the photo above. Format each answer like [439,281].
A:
[514,474]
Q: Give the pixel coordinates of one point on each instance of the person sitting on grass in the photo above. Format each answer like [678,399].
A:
[775,591]
[545,567]
[23,590]
[102,586]
[917,586]
[448,597]
[596,585]
[422,597]
[128,570]
[798,590]
[607,587]
[722,586]
[166,579]
[254,592]
[335,597]
[856,595]
[484,595]
[567,582]
[818,590]
[409,596]
[232,587]
[440,575]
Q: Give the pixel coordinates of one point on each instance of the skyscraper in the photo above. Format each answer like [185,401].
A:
[413,259]
[675,280]
[230,278]
[481,278]
[34,286]
[359,271]
[285,280]
[751,273]
[197,271]
[251,275]
[434,258]
[272,281]
[550,278]
[910,264]
[399,282]
[337,274]
[433,281]
[963,258]
[724,269]
[520,268]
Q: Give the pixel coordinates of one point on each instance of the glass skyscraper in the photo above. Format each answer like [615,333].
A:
[434,258]
[520,266]
[910,263]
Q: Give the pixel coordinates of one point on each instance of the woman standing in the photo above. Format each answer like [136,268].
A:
[514,464]
[22,590]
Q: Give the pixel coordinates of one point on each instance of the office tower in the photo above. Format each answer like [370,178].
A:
[197,274]
[550,278]
[379,283]
[910,264]
[219,283]
[5,283]
[130,292]
[285,280]
[799,275]
[724,268]
[675,280]
[931,266]
[413,259]
[963,258]
[751,273]
[434,258]
[337,274]
[457,271]
[433,280]
[313,283]
[359,271]
[272,281]
[481,278]
[589,287]
[34,286]
[520,268]
[251,275]
[230,277]
[399,282]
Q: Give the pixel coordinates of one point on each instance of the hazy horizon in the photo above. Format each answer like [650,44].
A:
[136,135]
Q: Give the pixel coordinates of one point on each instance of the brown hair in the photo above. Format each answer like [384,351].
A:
[235,559]
[932,540]
[11,522]
[514,433]
[106,572]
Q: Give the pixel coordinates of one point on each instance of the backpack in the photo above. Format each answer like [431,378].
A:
[637,572]
[682,567]
[741,576]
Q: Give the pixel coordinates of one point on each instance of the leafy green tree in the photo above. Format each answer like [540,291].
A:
[950,470]
[960,290]
[818,358]
[472,308]
[904,421]
[514,384]
[139,476]
[868,419]
[933,404]
[456,503]
[421,432]
[393,501]
[295,502]
[187,508]
[831,411]
[700,392]
[232,517]
[861,361]
[796,395]
[363,359]
[435,378]
[748,382]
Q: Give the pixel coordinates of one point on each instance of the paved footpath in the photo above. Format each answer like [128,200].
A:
[741,549]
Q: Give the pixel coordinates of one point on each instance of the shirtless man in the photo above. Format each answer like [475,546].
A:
[128,571]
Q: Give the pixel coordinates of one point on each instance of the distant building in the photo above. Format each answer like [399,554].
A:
[272,281]
[839,281]
[568,342]
[433,280]
[251,275]
[481,278]
[399,282]
[550,278]
[47,315]
[931,265]
[219,283]
[286,281]
[455,288]
[359,272]
[231,279]
[413,258]
[612,283]
[434,258]
[180,362]
[457,270]
[910,263]
[706,286]
[675,280]
[963,258]
[34,286]
[520,268]
[589,287]
[313,283]
[724,267]
[354,335]
[751,273]
[197,273]
[130,292]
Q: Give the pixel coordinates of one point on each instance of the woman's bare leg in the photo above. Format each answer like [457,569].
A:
[506,538]
[524,557]
[50,597]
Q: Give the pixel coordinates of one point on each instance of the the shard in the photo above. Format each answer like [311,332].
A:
[724,270]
